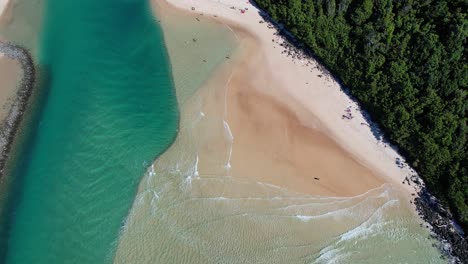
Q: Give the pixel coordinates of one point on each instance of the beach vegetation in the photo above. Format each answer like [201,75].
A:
[406,63]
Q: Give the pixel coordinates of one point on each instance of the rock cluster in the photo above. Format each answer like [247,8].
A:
[11,123]
[453,242]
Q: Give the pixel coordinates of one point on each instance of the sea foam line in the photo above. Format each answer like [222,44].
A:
[227,129]
[340,212]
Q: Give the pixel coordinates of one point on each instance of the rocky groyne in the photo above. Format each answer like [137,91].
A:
[453,241]
[11,124]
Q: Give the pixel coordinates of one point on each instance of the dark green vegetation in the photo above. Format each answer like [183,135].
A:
[405,61]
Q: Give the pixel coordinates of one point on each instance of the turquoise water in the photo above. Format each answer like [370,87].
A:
[110,110]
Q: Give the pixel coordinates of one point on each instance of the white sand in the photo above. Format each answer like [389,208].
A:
[3,6]
[300,87]
[9,71]
[10,76]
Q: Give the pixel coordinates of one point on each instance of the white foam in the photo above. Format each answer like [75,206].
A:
[228,132]
[176,169]
[187,183]
[272,186]
[151,173]
[227,129]
[373,222]
[220,198]
[233,32]
[191,174]
[304,218]
[195,173]
[314,203]
[155,197]
[141,198]
[274,198]
[331,255]
[153,203]
[347,211]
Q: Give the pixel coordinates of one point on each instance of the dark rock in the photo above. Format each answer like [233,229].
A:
[443,227]
[11,123]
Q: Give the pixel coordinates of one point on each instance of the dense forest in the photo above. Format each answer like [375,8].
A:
[405,61]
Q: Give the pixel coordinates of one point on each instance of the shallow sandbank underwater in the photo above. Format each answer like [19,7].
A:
[93,135]
[246,182]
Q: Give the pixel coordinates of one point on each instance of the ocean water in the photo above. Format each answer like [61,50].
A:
[110,110]
[102,125]
[22,26]
[191,208]
[184,213]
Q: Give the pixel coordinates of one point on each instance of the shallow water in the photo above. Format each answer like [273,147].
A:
[186,213]
[196,46]
[24,23]
[110,110]
[101,126]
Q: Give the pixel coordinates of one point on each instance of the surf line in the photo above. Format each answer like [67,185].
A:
[225,123]
[225,113]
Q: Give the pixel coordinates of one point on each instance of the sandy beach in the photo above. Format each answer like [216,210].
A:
[5,11]
[10,70]
[3,4]
[291,124]
[256,175]
[10,76]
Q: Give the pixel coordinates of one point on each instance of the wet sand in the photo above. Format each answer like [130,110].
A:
[260,138]
[3,4]
[301,85]
[200,57]
[269,141]
[253,177]
[6,8]
[10,70]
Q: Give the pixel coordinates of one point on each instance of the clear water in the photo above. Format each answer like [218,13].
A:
[96,136]
[191,208]
[110,110]
[194,61]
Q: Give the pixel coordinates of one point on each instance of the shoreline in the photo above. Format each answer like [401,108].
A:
[436,217]
[316,105]
[20,102]
[393,166]
[3,6]
[5,11]
[231,97]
